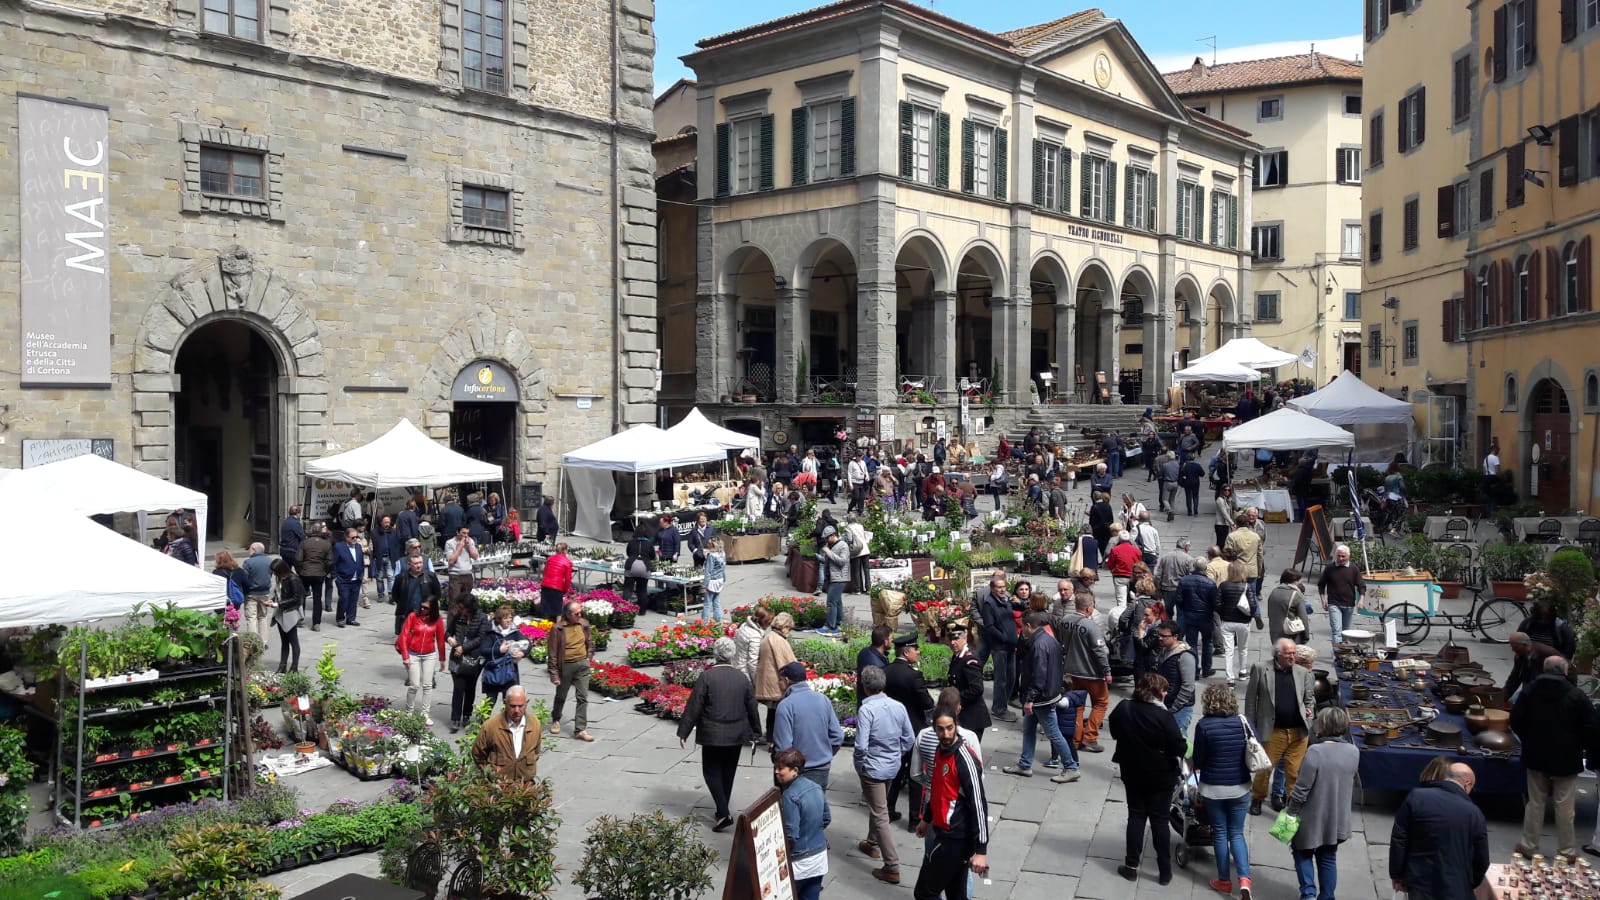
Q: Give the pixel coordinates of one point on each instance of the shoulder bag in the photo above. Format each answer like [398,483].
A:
[1293,625]
[1255,755]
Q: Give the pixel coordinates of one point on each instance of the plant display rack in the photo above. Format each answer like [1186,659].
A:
[162,740]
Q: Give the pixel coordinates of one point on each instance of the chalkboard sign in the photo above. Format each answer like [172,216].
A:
[1314,527]
[758,864]
[531,494]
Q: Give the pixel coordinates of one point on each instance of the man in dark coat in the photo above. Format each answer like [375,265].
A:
[451,517]
[349,570]
[874,654]
[966,676]
[904,683]
[1197,599]
[291,535]
[1439,847]
[1555,723]
[999,642]
[413,585]
[408,526]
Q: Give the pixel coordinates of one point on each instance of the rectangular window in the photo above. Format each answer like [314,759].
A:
[1461,88]
[1272,169]
[1186,192]
[1375,139]
[1267,307]
[1266,241]
[983,160]
[1589,144]
[1352,305]
[230,173]
[1516,174]
[1271,108]
[1463,211]
[1350,241]
[1410,225]
[237,18]
[1591,13]
[486,208]
[747,155]
[1408,342]
[922,123]
[1347,165]
[1050,190]
[1485,195]
[1138,207]
[827,143]
[1094,168]
[1220,233]
[1412,127]
[1352,105]
[1519,34]
[1375,237]
[483,45]
[1375,347]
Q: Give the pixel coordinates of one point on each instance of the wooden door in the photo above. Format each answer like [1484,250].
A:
[1550,420]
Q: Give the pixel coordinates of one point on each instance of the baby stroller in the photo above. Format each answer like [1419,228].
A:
[1188,816]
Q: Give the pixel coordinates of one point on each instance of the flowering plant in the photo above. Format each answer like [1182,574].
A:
[623,612]
[669,642]
[684,671]
[669,699]
[840,691]
[808,612]
[598,611]
[612,680]
[537,630]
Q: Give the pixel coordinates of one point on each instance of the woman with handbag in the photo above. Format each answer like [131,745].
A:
[1321,801]
[1221,743]
[1148,748]
[289,609]
[503,645]
[421,647]
[1286,610]
[1235,610]
[464,639]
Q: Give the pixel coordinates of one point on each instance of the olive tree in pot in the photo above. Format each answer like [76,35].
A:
[1506,564]
[645,857]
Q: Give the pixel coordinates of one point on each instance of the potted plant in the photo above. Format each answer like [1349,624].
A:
[645,857]
[1505,565]
[1451,573]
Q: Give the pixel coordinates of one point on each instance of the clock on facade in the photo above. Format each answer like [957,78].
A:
[1102,70]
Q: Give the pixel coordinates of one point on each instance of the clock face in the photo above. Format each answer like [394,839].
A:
[1102,70]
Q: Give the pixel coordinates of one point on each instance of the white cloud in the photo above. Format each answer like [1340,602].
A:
[1348,47]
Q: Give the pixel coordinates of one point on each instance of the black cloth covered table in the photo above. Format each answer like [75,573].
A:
[1399,768]
[360,887]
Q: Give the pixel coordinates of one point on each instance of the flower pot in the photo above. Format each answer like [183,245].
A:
[1511,590]
[305,747]
[1449,590]
[804,575]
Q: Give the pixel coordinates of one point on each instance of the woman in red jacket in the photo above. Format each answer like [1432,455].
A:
[421,646]
[555,584]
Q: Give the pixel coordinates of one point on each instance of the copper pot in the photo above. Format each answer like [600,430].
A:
[1452,652]
[1443,734]
[1360,692]
[1373,736]
[1455,704]
[1480,719]
[1493,741]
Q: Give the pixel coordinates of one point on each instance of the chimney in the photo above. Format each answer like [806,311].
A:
[1198,69]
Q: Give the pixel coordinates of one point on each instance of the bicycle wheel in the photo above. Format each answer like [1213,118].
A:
[1410,622]
[1498,618]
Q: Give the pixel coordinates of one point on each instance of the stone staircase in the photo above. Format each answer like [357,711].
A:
[1074,417]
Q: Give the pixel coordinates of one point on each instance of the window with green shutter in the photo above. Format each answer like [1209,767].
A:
[1233,223]
[941,175]
[1199,214]
[1002,164]
[1038,173]
[724,160]
[1151,223]
[847,137]
[767,138]
[1111,193]
[907,139]
[968,154]
[799,145]
[1131,209]
[1086,186]
[1064,196]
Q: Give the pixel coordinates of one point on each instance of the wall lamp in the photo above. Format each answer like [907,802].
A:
[1533,176]
[1541,135]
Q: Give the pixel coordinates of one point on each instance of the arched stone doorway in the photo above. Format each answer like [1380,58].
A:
[1051,347]
[981,308]
[1141,322]
[1221,324]
[822,307]
[1188,314]
[225,312]
[1549,457]
[754,342]
[923,316]
[1098,321]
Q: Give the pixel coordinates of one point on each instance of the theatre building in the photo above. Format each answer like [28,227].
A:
[897,208]
[239,235]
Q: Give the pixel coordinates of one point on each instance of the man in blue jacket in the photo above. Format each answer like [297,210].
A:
[349,569]
[999,642]
[805,720]
[1439,847]
[1197,602]
[290,535]
[883,740]
[1040,687]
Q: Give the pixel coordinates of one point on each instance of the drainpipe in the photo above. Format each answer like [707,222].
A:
[616,227]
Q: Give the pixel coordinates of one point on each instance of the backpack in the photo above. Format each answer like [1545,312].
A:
[236,595]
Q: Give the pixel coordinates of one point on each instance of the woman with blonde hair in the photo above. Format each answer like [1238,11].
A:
[775,653]
[502,646]
[1235,619]
[747,641]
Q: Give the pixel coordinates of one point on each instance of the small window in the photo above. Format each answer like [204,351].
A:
[1569,276]
[1132,311]
[1271,109]
[1375,138]
[1272,169]
[1461,87]
[1519,34]
[1411,226]
[1485,307]
[923,119]
[1375,347]
[1485,196]
[1266,241]
[1409,343]
[1267,307]
[983,160]
[230,173]
[1352,105]
[1511,392]
[1347,165]
[1352,305]
[1524,288]
[1375,237]
[1463,207]
[1350,244]
[1136,206]
[1589,143]
[1591,13]
[1050,187]
[486,208]
[827,142]
[1094,198]
[1204,109]
[1591,383]
[1412,123]
[236,18]
[746,155]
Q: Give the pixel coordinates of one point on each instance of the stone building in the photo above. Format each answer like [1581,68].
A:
[898,209]
[317,219]
[1305,229]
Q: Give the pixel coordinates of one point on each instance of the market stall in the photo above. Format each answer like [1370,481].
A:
[92,485]
[591,470]
[1248,352]
[1216,370]
[403,457]
[1382,424]
[1285,429]
[696,428]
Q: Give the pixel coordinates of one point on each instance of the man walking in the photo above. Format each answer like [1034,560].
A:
[459,552]
[1279,701]
[412,586]
[314,564]
[571,654]
[291,534]
[1169,569]
[1439,846]
[1087,661]
[386,549]
[1040,687]
[1190,476]
[999,643]
[1555,723]
[1341,586]
[883,741]
[349,568]
[1168,485]
[805,720]
[258,574]
[1249,545]
[904,683]
[957,811]
[1175,661]
[856,475]
[1197,603]
[510,740]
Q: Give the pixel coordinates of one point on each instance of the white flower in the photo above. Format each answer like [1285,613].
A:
[598,607]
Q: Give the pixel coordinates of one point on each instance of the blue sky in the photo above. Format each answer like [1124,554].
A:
[1168,30]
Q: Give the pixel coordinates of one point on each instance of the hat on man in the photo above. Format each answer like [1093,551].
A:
[906,639]
[955,629]
[795,672]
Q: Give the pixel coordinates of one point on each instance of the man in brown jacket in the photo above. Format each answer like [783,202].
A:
[571,651]
[510,739]
[313,566]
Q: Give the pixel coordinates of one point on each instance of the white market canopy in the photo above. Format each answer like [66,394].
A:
[643,448]
[123,574]
[1347,400]
[404,457]
[696,427]
[91,485]
[1216,370]
[1248,352]
[1286,429]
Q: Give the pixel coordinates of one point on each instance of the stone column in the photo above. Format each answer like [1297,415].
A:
[875,329]
[942,359]
[1066,316]
[1157,354]
[712,333]
[794,337]
[1111,345]
[1001,327]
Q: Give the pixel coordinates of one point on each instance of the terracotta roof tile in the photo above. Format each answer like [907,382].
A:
[837,10]
[1261,73]
[1045,35]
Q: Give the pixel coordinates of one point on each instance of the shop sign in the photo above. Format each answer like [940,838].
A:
[37,452]
[485,381]
[323,493]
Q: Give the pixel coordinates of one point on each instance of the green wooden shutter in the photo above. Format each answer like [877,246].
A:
[1127,194]
[1002,163]
[1150,199]
[1086,187]
[968,154]
[724,160]
[1183,220]
[847,136]
[941,152]
[767,129]
[907,140]
[1064,198]
[1233,223]
[1038,172]
[1111,193]
[1199,214]
[799,144]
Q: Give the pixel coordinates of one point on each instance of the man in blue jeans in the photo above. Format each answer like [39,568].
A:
[1040,687]
[1341,586]
[999,642]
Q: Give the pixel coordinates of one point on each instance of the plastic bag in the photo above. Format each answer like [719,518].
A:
[1284,829]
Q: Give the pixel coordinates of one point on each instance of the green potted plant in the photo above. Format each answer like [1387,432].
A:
[1451,573]
[1505,565]
[645,857]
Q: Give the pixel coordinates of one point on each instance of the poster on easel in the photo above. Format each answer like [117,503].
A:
[758,864]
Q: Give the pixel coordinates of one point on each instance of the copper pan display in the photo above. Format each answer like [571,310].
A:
[1443,734]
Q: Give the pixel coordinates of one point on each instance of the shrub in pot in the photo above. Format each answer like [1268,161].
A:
[645,857]
[1506,564]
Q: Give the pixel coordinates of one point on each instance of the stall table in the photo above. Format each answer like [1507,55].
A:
[748,547]
[723,490]
[1398,765]
[1210,429]
[584,569]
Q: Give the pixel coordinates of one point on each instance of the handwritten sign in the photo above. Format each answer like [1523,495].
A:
[37,452]
[758,865]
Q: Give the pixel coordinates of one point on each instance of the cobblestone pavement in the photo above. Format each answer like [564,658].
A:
[1049,840]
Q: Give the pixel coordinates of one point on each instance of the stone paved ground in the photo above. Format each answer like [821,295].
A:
[1049,841]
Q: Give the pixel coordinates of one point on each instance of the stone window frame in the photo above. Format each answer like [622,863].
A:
[275,27]
[518,82]
[1591,398]
[269,206]
[1509,398]
[462,233]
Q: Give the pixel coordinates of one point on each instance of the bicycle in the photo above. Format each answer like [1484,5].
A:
[1495,619]
[1387,516]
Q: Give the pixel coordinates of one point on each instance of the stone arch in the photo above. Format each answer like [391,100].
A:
[1545,369]
[486,334]
[1050,264]
[737,261]
[231,287]
[927,245]
[988,258]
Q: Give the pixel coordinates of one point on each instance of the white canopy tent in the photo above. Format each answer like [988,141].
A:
[642,448]
[1286,429]
[403,457]
[92,485]
[1249,352]
[696,427]
[1216,370]
[124,573]
[1382,424]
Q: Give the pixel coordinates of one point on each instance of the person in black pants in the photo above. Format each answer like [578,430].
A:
[721,711]
[636,571]
[1149,745]
[956,810]
[464,640]
[290,609]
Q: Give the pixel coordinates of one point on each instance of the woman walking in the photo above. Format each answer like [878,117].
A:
[716,566]
[1286,610]
[1223,524]
[775,653]
[465,637]
[503,646]
[1149,746]
[805,817]
[289,610]
[721,712]
[421,646]
[1219,745]
[1322,798]
[747,641]
[1235,620]
[555,583]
